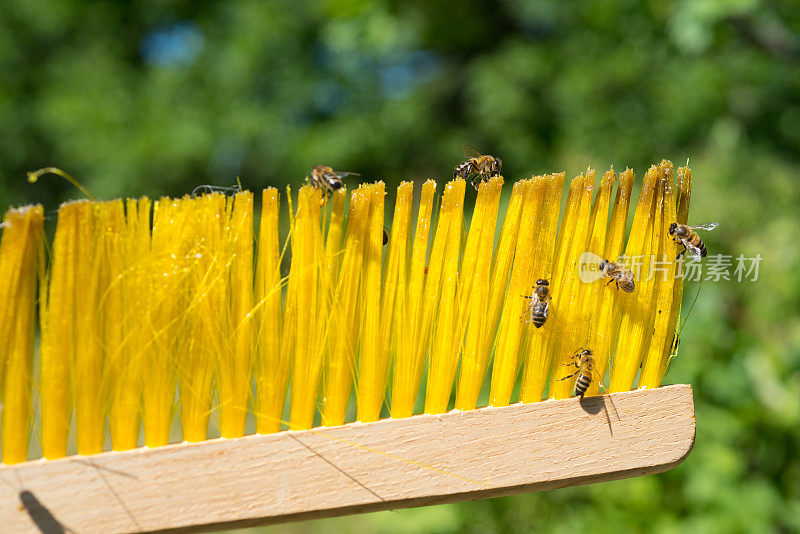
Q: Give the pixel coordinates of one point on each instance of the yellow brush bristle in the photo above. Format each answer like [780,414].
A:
[195,302]
[537,358]
[412,346]
[636,308]
[474,302]
[21,261]
[441,301]
[605,312]
[272,357]
[373,357]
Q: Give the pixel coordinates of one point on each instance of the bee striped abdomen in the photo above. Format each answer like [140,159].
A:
[539,313]
[463,170]
[698,242]
[582,384]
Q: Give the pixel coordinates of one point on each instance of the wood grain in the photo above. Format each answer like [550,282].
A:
[422,460]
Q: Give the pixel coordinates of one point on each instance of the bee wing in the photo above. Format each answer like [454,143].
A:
[470,151]
[343,174]
[693,250]
[705,226]
[546,309]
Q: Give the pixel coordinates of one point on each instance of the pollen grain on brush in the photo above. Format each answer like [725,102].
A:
[366,305]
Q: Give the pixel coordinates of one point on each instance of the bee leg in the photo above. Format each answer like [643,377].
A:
[570,376]
[681,253]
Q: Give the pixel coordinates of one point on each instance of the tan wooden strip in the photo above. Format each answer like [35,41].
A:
[354,468]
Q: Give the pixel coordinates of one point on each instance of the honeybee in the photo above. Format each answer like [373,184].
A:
[327,179]
[540,303]
[618,275]
[584,361]
[481,166]
[684,235]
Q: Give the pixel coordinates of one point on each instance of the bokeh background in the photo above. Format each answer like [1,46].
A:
[156,97]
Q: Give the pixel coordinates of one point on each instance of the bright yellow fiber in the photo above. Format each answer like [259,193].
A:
[538,359]
[341,360]
[606,313]
[598,292]
[413,345]
[666,282]
[635,326]
[474,300]
[21,261]
[121,387]
[440,301]
[333,239]
[503,259]
[570,318]
[372,375]
[312,320]
[126,375]
[271,367]
[236,364]
[57,341]
[87,359]
[511,328]
[206,318]
[373,359]
[166,270]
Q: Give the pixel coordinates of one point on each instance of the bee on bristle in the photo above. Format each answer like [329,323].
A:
[584,361]
[481,167]
[618,275]
[325,178]
[685,235]
[540,303]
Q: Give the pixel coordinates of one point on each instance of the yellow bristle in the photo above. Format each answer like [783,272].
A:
[206,320]
[121,387]
[333,239]
[509,334]
[58,335]
[410,358]
[235,366]
[473,308]
[655,361]
[538,359]
[373,358]
[441,299]
[124,414]
[271,367]
[166,270]
[501,267]
[87,358]
[598,292]
[21,261]
[393,304]
[341,360]
[310,304]
[635,307]
[570,318]
[606,312]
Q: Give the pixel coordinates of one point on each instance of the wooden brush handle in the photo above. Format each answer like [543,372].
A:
[422,460]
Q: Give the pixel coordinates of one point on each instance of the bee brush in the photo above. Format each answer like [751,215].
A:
[135,310]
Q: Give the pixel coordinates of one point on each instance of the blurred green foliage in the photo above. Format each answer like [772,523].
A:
[145,97]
